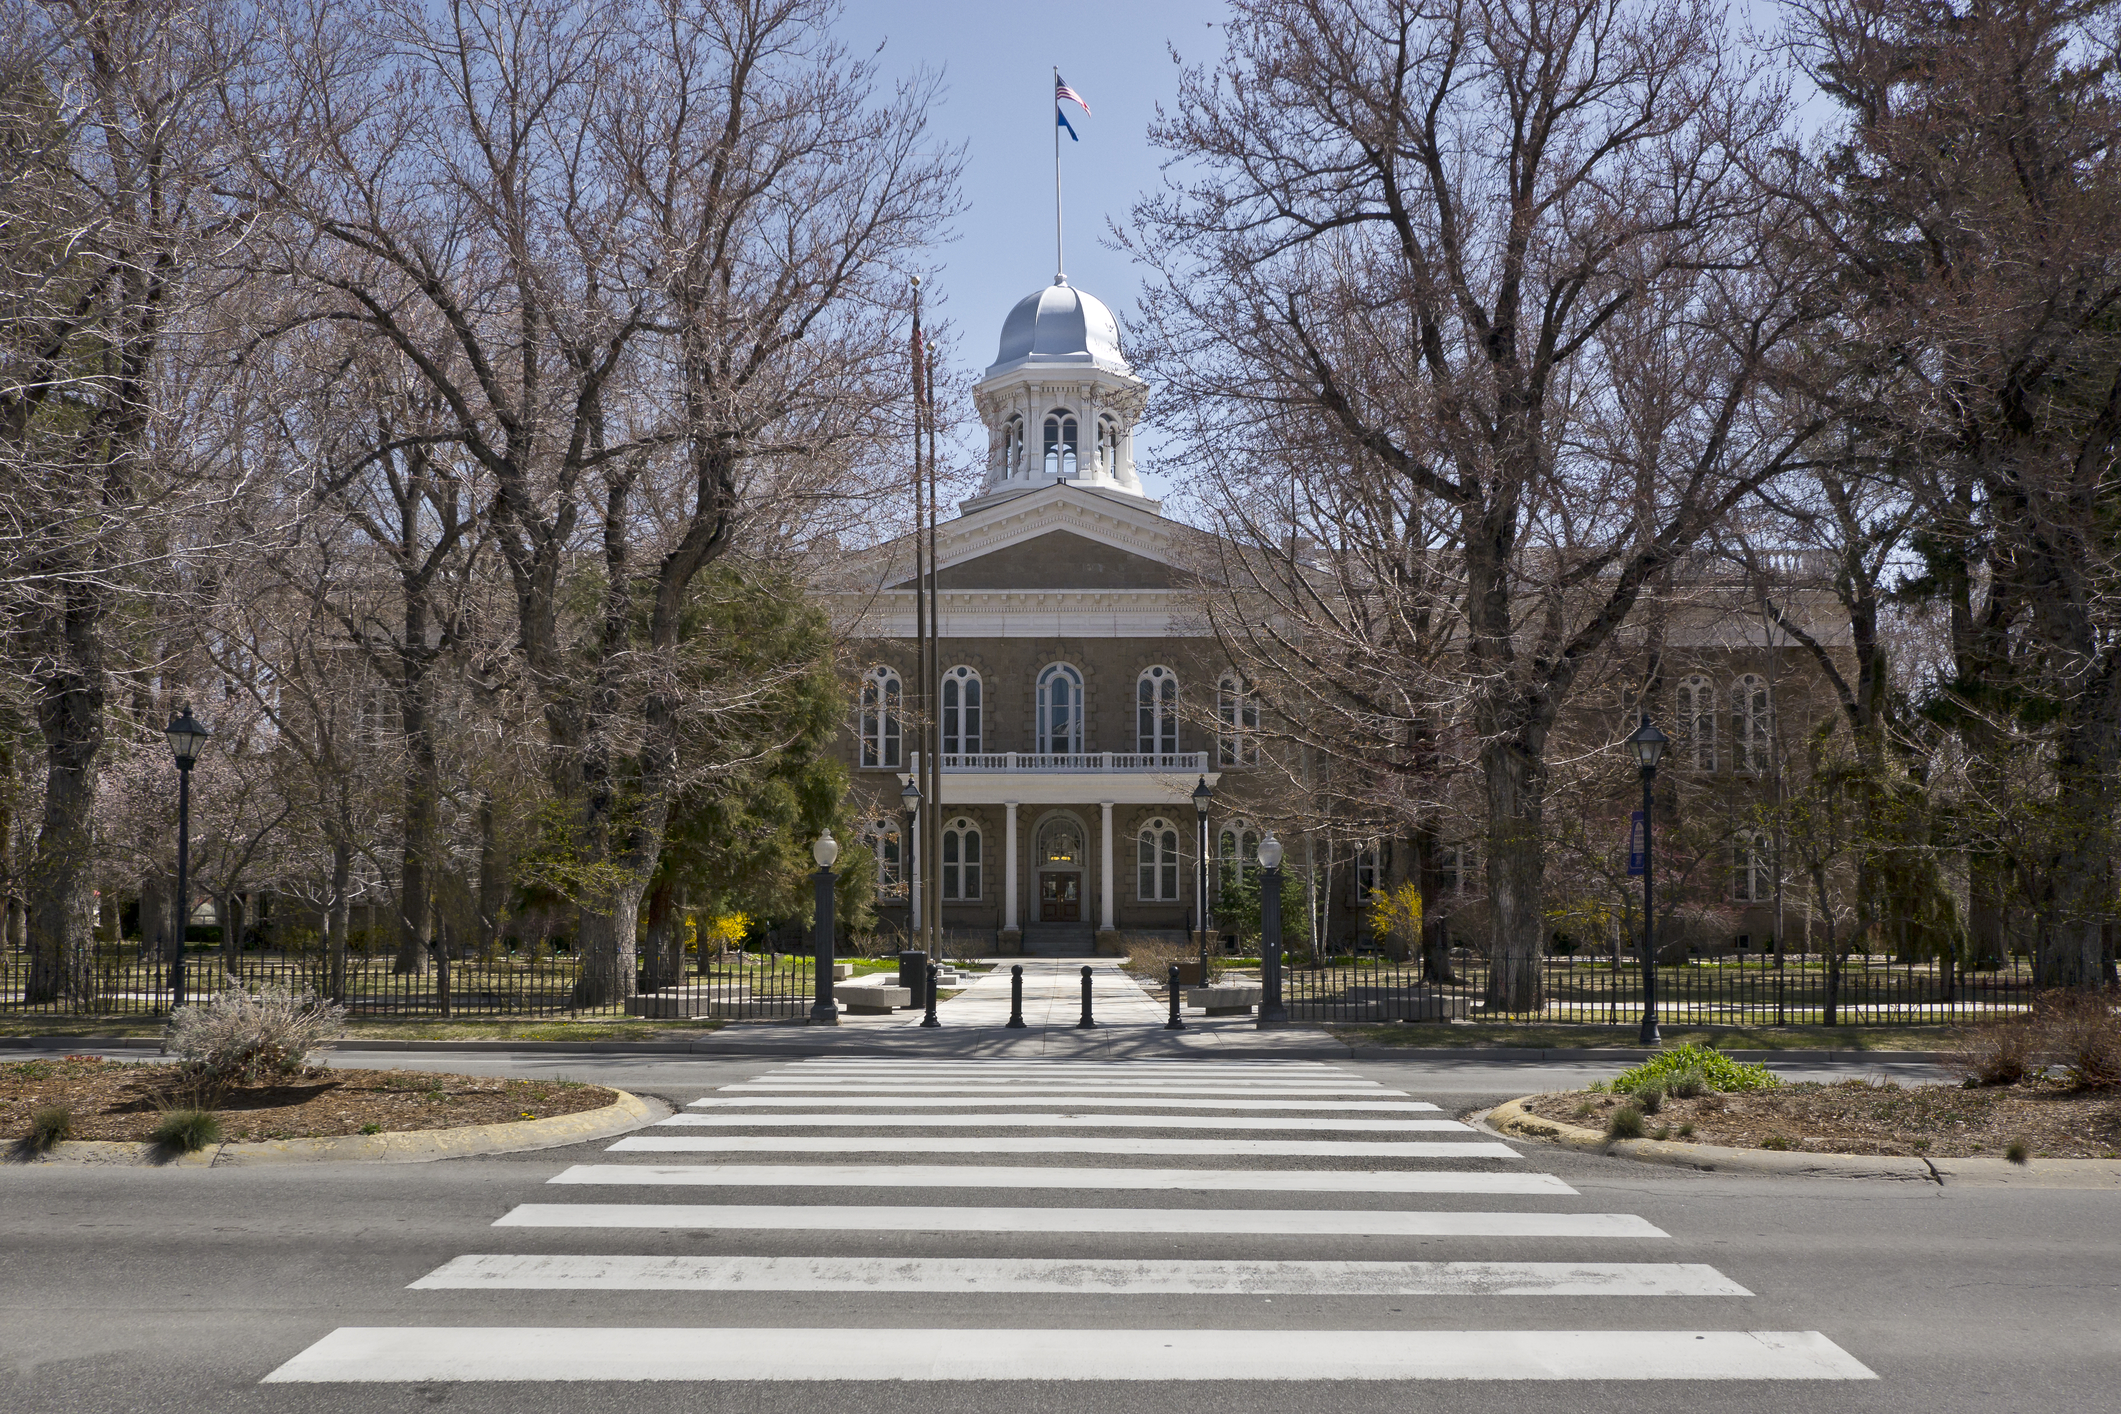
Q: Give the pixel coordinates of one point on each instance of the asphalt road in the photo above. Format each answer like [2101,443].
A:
[141,1290]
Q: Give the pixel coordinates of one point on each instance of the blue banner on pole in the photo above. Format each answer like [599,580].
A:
[1635,845]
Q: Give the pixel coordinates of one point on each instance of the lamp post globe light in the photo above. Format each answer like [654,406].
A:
[824,1007]
[186,738]
[1648,744]
[1201,796]
[1271,1010]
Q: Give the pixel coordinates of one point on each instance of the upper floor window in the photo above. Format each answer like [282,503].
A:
[961,860]
[1157,855]
[1752,868]
[1060,443]
[1752,723]
[1156,712]
[1237,708]
[1366,874]
[961,712]
[879,719]
[1238,847]
[881,837]
[1060,711]
[1697,723]
[1012,446]
[1107,444]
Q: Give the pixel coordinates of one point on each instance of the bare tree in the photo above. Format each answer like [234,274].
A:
[106,110]
[1508,254]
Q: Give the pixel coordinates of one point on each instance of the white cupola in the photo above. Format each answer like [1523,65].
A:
[1059,401]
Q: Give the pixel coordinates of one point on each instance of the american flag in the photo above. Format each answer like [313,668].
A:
[1061,90]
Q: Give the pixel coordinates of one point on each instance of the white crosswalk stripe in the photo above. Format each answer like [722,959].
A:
[1286,1149]
[1075,1180]
[511,1272]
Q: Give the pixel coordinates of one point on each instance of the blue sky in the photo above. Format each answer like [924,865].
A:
[997,61]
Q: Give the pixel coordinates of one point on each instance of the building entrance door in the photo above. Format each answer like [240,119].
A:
[1060,898]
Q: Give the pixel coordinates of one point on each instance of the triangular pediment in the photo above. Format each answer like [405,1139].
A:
[1055,538]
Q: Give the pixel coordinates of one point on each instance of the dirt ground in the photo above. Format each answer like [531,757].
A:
[125,1100]
[1857,1117]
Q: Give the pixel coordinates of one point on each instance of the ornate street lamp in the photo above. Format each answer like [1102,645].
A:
[1201,796]
[824,1008]
[186,738]
[1648,744]
[1271,1010]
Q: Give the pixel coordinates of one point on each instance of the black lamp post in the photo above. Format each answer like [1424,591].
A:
[1271,1010]
[824,1009]
[916,929]
[1201,796]
[186,737]
[1648,744]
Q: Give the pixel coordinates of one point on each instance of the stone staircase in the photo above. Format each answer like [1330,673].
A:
[1059,940]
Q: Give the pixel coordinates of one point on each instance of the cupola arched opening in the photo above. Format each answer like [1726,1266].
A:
[1060,443]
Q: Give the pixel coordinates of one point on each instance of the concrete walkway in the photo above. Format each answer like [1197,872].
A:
[1053,997]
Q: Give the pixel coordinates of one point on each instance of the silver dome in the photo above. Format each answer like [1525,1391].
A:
[1060,324]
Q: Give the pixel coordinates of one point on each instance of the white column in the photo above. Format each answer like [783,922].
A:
[1009,866]
[1105,884]
[910,852]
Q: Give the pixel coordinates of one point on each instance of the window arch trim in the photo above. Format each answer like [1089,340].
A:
[880,723]
[964,711]
[1157,872]
[1058,693]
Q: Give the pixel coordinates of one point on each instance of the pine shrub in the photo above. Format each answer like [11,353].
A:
[1625,1123]
[48,1124]
[187,1131]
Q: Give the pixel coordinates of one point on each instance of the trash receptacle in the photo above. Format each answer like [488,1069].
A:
[913,972]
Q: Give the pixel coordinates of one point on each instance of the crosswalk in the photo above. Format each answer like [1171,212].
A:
[1161,1194]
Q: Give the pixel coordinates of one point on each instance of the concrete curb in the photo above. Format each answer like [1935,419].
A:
[1513,1121]
[409,1146]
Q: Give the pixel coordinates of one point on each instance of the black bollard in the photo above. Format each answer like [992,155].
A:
[929,1019]
[1016,998]
[1174,1024]
[1088,1021]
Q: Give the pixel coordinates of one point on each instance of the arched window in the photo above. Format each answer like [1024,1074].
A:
[1752,723]
[1156,712]
[1366,874]
[880,718]
[1107,445]
[1013,446]
[1060,443]
[882,839]
[1238,847]
[1157,853]
[961,859]
[1697,722]
[961,712]
[1752,868]
[1238,710]
[1060,711]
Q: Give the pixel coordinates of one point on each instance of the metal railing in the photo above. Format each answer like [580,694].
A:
[754,985]
[1742,991]
[1077,761]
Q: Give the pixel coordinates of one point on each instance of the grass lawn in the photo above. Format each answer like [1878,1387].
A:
[1723,1038]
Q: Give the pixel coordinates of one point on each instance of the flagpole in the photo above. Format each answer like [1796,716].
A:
[1060,266]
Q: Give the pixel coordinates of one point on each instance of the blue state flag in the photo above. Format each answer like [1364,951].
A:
[1062,118]
[1635,844]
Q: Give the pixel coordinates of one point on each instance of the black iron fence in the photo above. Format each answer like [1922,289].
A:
[1810,990]
[749,985]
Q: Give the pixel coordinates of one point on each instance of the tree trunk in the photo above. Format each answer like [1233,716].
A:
[233,922]
[665,938]
[1830,1010]
[1516,781]
[338,918]
[608,943]
[61,893]
[415,890]
[492,882]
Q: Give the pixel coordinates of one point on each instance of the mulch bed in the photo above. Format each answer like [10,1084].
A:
[1857,1117]
[125,1100]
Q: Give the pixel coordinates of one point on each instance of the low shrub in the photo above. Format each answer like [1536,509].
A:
[1650,1099]
[2018,1151]
[1686,1130]
[1717,1071]
[2084,1032]
[1996,1052]
[48,1124]
[187,1131]
[1775,1141]
[1688,1084]
[247,1037]
[1624,1123]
